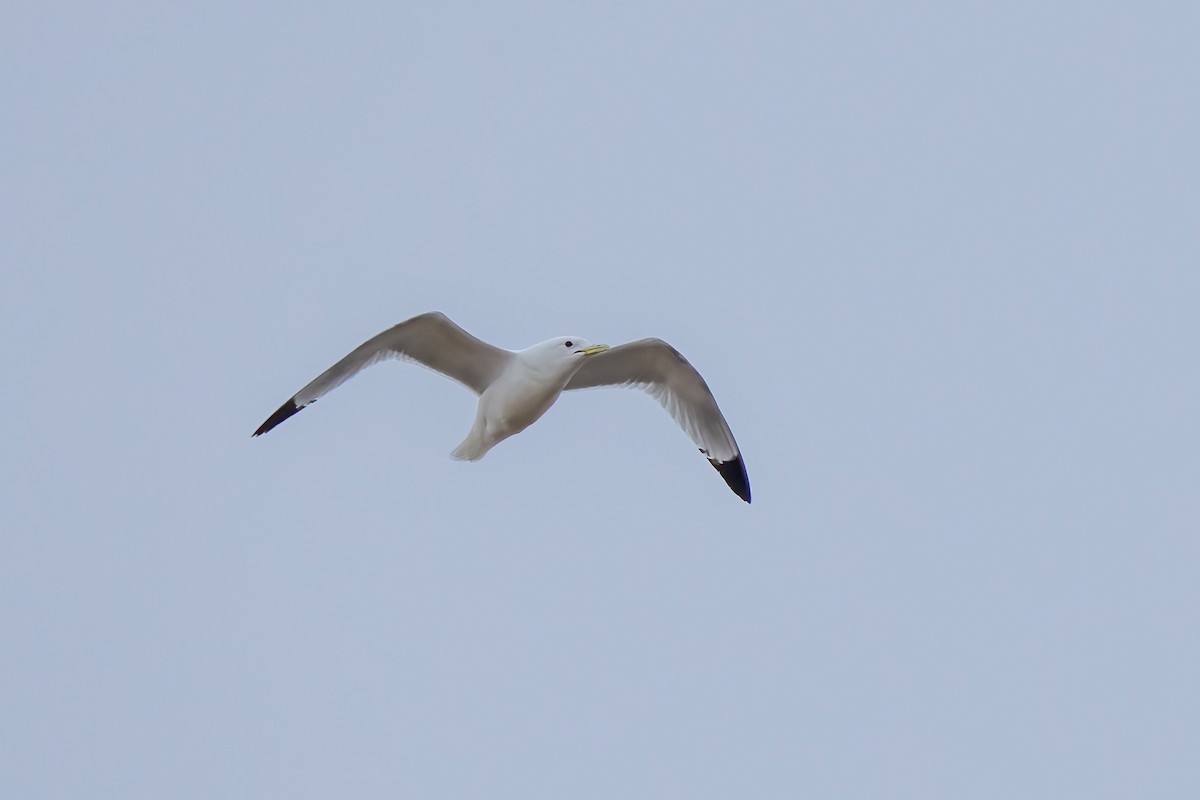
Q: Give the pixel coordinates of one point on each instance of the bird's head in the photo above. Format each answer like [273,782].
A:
[562,353]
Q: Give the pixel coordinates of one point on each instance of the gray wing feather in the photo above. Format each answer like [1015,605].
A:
[431,340]
[660,370]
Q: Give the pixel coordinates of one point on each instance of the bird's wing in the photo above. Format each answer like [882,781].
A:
[660,370]
[432,340]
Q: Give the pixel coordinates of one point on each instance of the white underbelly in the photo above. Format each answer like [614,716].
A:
[510,408]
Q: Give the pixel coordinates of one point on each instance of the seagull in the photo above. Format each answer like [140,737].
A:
[516,388]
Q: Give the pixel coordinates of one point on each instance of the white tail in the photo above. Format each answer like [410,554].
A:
[475,446]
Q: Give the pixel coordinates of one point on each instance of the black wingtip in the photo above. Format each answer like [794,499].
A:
[734,473]
[281,413]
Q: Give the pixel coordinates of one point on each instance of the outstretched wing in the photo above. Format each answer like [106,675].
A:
[660,370]
[432,340]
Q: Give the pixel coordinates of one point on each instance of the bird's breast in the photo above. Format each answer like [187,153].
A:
[515,402]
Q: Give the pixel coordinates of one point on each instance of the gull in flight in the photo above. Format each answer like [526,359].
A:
[515,388]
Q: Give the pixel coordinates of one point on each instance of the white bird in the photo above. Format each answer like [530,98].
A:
[515,388]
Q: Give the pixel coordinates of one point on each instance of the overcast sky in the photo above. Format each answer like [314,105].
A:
[937,261]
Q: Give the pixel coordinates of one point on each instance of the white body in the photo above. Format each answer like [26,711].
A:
[517,398]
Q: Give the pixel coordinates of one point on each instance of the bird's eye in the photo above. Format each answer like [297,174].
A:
[568,344]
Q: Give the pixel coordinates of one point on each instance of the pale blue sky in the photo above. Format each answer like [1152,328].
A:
[938,262]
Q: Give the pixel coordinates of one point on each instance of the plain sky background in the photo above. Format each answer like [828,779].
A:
[938,262]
